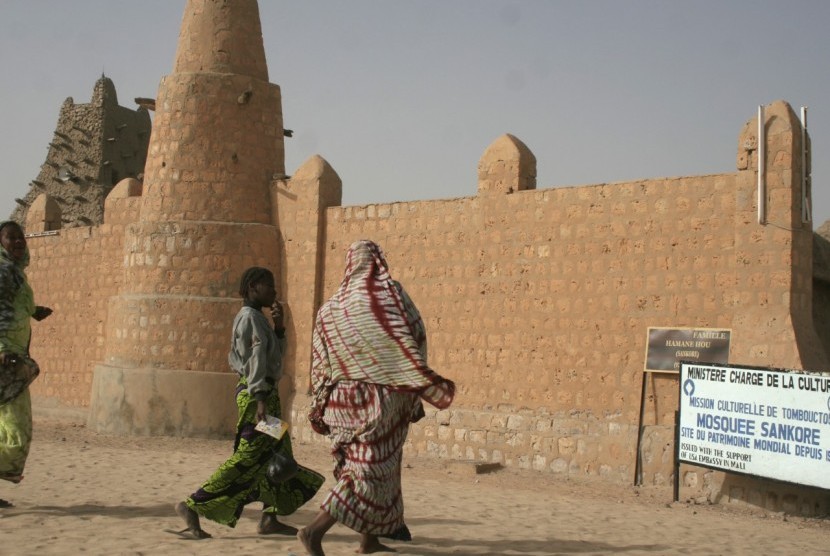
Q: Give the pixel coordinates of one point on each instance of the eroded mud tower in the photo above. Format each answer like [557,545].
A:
[206,215]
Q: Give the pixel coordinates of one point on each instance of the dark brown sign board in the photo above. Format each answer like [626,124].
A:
[667,347]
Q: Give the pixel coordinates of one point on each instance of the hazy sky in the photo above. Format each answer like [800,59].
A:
[403,96]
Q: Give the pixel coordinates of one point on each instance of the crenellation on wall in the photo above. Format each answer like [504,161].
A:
[44,215]
[507,166]
[301,204]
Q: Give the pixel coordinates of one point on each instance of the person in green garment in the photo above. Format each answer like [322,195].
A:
[17,308]
[255,355]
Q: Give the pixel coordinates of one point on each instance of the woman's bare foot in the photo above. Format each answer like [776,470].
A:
[191,519]
[370,544]
[312,543]
[269,525]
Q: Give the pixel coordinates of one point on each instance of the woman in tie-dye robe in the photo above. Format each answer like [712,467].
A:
[369,375]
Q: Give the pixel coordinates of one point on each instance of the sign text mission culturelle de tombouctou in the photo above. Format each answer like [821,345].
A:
[765,422]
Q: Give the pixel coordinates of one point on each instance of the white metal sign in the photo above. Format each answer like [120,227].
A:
[759,421]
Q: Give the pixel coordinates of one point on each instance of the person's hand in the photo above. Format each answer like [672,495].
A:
[278,314]
[8,358]
[41,312]
[260,411]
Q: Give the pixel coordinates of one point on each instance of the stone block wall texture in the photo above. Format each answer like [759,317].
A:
[537,303]
[76,273]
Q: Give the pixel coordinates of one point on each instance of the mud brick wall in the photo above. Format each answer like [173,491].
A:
[537,303]
[75,272]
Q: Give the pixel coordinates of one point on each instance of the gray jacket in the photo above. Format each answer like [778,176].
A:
[256,352]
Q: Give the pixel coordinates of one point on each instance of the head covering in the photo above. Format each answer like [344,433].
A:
[5,257]
[12,279]
[370,331]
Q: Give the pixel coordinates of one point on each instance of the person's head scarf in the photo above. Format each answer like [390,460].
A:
[5,256]
[370,331]
[12,278]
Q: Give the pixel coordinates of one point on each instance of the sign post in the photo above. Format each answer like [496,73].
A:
[665,349]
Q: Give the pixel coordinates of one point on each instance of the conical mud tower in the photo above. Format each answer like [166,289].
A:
[206,215]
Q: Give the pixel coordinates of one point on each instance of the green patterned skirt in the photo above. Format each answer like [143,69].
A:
[241,479]
[15,435]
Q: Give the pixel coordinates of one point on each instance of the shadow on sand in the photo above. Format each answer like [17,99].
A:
[81,510]
[433,546]
[421,545]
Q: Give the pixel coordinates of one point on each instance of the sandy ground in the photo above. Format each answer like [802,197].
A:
[90,494]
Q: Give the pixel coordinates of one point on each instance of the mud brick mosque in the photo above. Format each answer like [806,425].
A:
[537,301]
